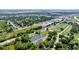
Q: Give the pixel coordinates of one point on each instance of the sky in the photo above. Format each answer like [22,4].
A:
[39,4]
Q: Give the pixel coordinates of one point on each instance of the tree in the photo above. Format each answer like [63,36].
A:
[44,44]
[9,29]
[74,28]
[48,44]
[54,38]
[41,46]
[54,33]
[33,47]
[37,32]
[61,36]
[51,44]
[61,29]
[58,46]
[71,44]
[17,39]
[50,34]
[25,38]
[76,42]
[29,45]
[75,47]
[29,21]
[1,47]
[47,29]
[71,37]
[20,34]
[10,47]
[65,47]
[19,45]
[64,41]
[48,38]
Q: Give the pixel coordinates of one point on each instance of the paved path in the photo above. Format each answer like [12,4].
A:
[10,40]
[76,20]
[7,41]
[57,40]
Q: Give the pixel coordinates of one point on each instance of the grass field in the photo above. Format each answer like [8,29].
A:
[67,30]
[77,17]
[12,34]
[2,25]
[76,36]
[59,26]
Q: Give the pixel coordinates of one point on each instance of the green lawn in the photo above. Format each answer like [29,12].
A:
[33,35]
[76,35]
[12,34]
[2,25]
[59,26]
[77,17]
[67,30]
